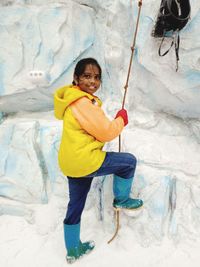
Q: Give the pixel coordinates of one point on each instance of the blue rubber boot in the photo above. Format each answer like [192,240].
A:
[121,190]
[75,248]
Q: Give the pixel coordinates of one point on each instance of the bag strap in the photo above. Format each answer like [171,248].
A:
[176,43]
[166,52]
[178,7]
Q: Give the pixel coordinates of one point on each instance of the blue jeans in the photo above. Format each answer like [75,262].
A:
[118,163]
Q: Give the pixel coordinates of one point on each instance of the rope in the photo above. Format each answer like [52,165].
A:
[117,212]
[117,226]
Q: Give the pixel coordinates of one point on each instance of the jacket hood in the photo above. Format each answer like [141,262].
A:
[66,95]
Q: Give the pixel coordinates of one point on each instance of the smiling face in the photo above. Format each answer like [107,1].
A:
[90,80]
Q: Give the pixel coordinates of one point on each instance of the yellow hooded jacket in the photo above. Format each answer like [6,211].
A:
[85,129]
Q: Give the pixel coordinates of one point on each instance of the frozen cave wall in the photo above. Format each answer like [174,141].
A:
[164,128]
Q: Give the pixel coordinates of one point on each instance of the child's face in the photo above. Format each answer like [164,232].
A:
[90,80]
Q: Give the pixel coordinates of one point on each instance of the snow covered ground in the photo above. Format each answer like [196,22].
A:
[41,243]
[163,133]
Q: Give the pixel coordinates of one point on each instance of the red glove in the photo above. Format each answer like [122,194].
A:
[123,113]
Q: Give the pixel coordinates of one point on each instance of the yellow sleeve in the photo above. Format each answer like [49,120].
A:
[94,121]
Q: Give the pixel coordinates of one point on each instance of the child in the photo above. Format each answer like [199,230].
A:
[85,129]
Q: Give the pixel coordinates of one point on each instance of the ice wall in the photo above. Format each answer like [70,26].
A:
[163,106]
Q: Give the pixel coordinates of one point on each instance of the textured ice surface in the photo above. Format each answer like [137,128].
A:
[163,133]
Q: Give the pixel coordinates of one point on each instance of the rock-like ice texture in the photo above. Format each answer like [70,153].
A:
[28,165]
[50,36]
[45,37]
[163,133]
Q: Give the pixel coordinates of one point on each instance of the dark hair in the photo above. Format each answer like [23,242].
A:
[80,66]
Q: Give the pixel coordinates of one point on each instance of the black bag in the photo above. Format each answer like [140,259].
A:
[172,17]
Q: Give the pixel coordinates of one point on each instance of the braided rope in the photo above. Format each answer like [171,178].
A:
[117,212]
